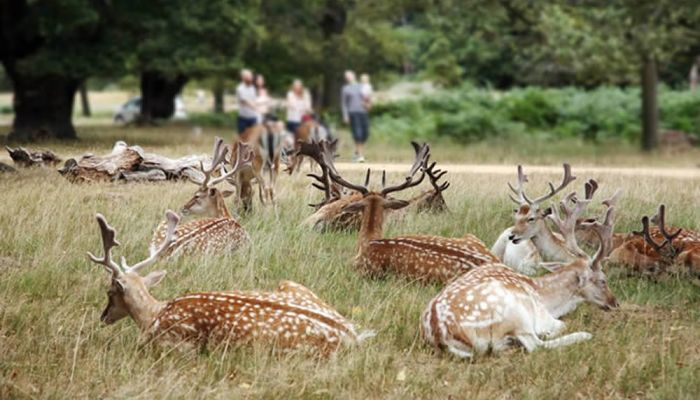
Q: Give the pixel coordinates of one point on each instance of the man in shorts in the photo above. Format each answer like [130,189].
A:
[355,113]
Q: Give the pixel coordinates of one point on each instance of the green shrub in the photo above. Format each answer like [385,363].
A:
[216,120]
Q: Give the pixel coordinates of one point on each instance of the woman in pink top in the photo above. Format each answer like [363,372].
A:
[298,105]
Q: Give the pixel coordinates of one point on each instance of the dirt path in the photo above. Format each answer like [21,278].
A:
[681,173]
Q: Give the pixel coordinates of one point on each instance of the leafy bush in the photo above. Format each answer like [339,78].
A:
[469,114]
[216,120]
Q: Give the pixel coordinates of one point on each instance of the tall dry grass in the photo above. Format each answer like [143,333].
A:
[52,344]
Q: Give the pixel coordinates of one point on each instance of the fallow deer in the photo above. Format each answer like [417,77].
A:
[657,250]
[423,257]
[431,200]
[218,232]
[265,140]
[291,317]
[530,241]
[493,306]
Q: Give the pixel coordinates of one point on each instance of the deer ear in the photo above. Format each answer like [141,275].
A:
[227,193]
[395,204]
[154,278]
[552,266]
[354,207]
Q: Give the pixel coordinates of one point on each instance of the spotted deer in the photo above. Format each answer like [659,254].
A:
[265,141]
[493,306]
[530,241]
[218,232]
[290,317]
[658,250]
[421,257]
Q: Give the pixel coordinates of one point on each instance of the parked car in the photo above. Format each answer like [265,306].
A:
[129,111]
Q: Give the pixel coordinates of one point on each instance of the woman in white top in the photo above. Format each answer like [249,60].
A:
[367,90]
[263,101]
[298,105]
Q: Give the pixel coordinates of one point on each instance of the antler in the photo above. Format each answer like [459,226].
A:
[604,232]
[172,220]
[419,163]
[519,187]
[566,180]
[434,175]
[244,156]
[327,161]
[315,150]
[108,242]
[660,220]
[218,156]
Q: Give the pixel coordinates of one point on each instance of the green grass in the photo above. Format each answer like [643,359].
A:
[52,344]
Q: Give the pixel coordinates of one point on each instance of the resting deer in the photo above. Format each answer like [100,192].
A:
[431,199]
[530,240]
[218,231]
[290,317]
[659,250]
[423,257]
[493,306]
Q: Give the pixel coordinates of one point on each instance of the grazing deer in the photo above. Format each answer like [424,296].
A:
[290,317]
[524,245]
[266,142]
[492,306]
[218,232]
[658,250]
[426,258]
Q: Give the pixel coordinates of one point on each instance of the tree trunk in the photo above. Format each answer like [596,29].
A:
[84,100]
[158,93]
[332,24]
[43,106]
[650,111]
[218,92]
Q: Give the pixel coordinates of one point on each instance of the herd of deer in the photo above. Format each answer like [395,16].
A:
[489,301]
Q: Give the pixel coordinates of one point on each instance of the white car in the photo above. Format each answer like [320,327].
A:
[129,111]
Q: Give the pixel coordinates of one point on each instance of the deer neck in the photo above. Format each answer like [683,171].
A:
[143,307]
[372,224]
[559,290]
[551,247]
[221,209]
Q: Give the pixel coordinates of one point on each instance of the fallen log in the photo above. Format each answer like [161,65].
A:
[132,164]
[26,157]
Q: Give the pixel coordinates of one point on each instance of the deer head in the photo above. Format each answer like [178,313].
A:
[593,285]
[128,292]
[208,200]
[529,217]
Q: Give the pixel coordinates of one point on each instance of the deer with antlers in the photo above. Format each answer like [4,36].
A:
[422,257]
[530,240]
[493,306]
[291,317]
[655,250]
[218,231]
[308,133]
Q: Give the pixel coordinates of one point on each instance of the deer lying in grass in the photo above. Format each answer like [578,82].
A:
[659,250]
[423,257]
[218,232]
[291,317]
[530,240]
[492,306]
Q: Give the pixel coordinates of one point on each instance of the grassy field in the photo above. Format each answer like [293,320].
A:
[52,344]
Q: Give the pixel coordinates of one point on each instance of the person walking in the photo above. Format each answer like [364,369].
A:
[367,90]
[298,105]
[355,109]
[246,98]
